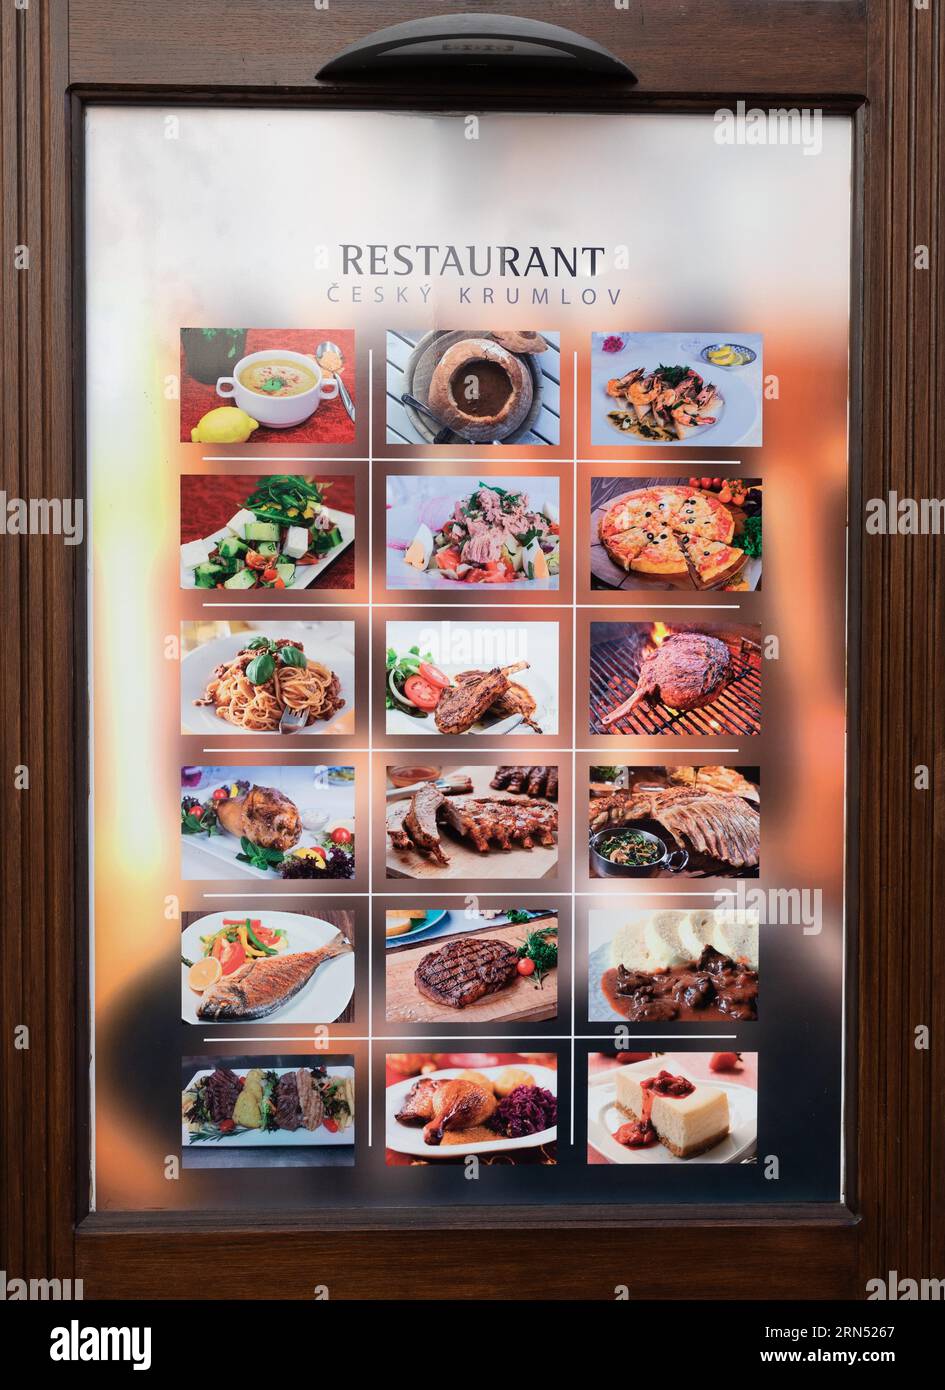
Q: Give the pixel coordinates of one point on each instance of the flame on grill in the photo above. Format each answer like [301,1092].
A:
[658,634]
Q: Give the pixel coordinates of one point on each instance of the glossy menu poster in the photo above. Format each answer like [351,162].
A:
[467,660]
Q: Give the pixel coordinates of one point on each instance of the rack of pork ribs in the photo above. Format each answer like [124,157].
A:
[533,781]
[489,822]
[725,827]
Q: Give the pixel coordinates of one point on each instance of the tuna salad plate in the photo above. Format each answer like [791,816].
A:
[501,532]
[284,967]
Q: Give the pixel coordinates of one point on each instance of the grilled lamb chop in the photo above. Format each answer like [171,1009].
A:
[462,704]
[727,828]
[446,1104]
[515,700]
[463,971]
[264,815]
[688,671]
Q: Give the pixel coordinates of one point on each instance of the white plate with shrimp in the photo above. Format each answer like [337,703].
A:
[331,644]
[735,409]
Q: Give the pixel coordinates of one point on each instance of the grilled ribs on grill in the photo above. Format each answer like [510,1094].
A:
[724,827]
[536,781]
[489,822]
[688,671]
[460,705]
[463,971]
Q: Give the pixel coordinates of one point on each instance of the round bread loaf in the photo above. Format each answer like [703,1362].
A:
[480,390]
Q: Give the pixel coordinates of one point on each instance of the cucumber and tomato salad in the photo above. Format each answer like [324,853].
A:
[414,683]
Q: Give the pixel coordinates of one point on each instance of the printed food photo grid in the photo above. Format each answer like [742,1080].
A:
[489,690]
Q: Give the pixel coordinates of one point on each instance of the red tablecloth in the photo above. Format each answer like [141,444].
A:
[207,503]
[329,424]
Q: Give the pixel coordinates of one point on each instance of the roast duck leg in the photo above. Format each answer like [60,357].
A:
[443,1105]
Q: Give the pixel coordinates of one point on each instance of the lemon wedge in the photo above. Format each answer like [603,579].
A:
[204,973]
[228,424]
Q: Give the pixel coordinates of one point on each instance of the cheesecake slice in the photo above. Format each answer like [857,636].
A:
[685,1117]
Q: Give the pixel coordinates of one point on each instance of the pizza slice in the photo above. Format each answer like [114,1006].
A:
[704,517]
[624,514]
[661,556]
[625,546]
[712,560]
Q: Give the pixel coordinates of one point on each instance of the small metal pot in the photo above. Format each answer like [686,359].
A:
[670,861]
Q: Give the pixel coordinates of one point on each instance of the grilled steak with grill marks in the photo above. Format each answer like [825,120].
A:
[463,971]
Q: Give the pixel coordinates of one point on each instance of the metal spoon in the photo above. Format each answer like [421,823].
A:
[443,432]
[321,351]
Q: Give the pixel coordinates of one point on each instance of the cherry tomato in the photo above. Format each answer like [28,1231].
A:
[221,794]
[330,1124]
[421,693]
[269,575]
[693,482]
[526,966]
[433,675]
[278,583]
[340,836]
[226,1126]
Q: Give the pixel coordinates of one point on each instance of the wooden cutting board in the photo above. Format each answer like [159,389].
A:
[465,860]
[521,1001]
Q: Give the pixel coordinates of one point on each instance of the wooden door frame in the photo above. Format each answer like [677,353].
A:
[876,60]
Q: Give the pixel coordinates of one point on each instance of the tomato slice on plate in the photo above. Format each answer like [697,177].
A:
[421,693]
[433,675]
[230,954]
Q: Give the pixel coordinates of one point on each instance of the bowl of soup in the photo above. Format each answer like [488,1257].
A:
[277,387]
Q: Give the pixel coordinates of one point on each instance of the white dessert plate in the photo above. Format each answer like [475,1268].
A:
[604,1119]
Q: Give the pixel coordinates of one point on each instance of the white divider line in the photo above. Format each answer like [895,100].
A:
[370,799]
[574,719]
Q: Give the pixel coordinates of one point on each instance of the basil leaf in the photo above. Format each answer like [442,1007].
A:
[260,669]
[292,656]
[258,644]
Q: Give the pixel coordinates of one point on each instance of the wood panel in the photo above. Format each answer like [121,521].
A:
[901,1130]
[837,49]
[38,582]
[690,46]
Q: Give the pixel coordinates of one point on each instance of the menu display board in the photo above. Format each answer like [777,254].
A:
[467,659]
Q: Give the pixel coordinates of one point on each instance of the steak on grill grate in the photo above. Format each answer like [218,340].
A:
[463,971]
[688,671]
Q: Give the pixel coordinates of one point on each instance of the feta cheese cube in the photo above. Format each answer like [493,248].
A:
[195,553]
[238,523]
[296,542]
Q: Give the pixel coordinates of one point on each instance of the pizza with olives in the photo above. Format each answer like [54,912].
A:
[680,534]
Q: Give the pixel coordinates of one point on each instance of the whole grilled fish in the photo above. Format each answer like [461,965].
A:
[265,984]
